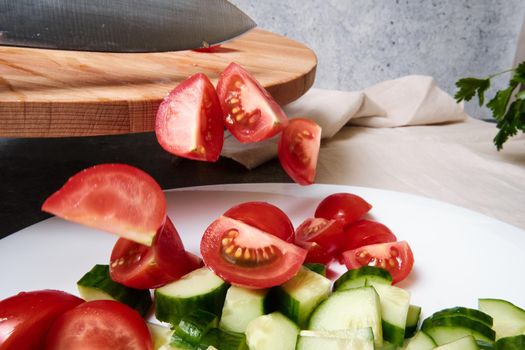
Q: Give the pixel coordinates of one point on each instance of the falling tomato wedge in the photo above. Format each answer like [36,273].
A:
[189,120]
[248,257]
[116,198]
[299,148]
[250,112]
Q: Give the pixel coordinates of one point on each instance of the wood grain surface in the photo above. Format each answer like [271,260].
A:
[53,93]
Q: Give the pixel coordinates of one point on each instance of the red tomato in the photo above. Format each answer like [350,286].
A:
[299,148]
[321,237]
[189,120]
[246,256]
[138,266]
[365,232]
[250,113]
[316,253]
[26,318]
[395,257]
[209,49]
[100,325]
[345,207]
[265,216]
[117,198]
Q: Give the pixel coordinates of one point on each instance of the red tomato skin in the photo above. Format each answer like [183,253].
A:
[288,261]
[253,102]
[100,325]
[375,253]
[265,216]
[298,150]
[366,232]
[191,133]
[345,207]
[328,234]
[106,196]
[26,318]
[316,253]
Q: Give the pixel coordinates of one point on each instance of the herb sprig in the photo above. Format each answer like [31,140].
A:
[510,118]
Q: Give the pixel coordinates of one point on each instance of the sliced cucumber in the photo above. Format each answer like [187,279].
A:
[350,309]
[354,339]
[359,277]
[421,341]
[199,289]
[241,306]
[483,345]
[299,296]
[159,334]
[317,267]
[223,340]
[465,343]
[467,312]
[448,329]
[395,303]
[98,285]
[509,319]
[516,342]
[387,346]
[414,312]
[193,326]
[272,332]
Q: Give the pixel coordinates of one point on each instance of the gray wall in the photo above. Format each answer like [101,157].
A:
[362,42]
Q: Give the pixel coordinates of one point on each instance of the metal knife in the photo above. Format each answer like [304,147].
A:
[120,25]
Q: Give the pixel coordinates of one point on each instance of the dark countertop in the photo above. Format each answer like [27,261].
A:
[32,169]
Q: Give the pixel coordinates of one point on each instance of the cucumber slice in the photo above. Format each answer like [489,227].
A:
[465,343]
[98,285]
[448,329]
[509,319]
[316,267]
[299,296]
[350,309]
[199,289]
[395,303]
[387,346]
[272,332]
[421,341]
[483,345]
[359,277]
[241,306]
[160,335]
[516,342]
[223,340]
[414,312]
[349,339]
[195,325]
[467,312]
[177,343]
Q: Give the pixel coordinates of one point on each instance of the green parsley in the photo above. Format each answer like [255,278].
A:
[510,118]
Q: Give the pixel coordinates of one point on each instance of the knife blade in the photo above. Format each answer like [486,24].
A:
[120,25]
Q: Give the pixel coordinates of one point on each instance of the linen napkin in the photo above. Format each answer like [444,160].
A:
[409,100]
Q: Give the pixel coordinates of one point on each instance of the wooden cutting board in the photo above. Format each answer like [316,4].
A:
[52,93]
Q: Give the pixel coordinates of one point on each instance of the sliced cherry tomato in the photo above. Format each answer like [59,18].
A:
[100,325]
[316,253]
[265,216]
[138,266]
[117,198]
[396,257]
[246,256]
[189,120]
[345,207]
[26,318]
[299,148]
[365,232]
[321,237]
[250,113]
[209,49]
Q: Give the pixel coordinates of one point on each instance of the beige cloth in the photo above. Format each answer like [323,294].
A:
[453,160]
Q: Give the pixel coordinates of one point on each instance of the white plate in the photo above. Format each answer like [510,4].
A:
[460,255]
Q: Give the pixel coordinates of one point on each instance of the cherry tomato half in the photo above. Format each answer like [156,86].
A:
[116,198]
[26,318]
[321,237]
[101,325]
[246,256]
[250,113]
[298,150]
[264,216]
[345,207]
[189,120]
[396,257]
[365,232]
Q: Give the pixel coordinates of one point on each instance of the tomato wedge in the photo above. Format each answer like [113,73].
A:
[264,216]
[365,232]
[345,207]
[299,148]
[116,198]
[321,237]
[189,120]
[100,325]
[246,256]
[250,113]
[26,318]
[396,257]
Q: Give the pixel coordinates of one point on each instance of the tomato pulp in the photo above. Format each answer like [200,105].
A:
[322,238]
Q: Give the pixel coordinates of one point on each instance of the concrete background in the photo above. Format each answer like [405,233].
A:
[361,42]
